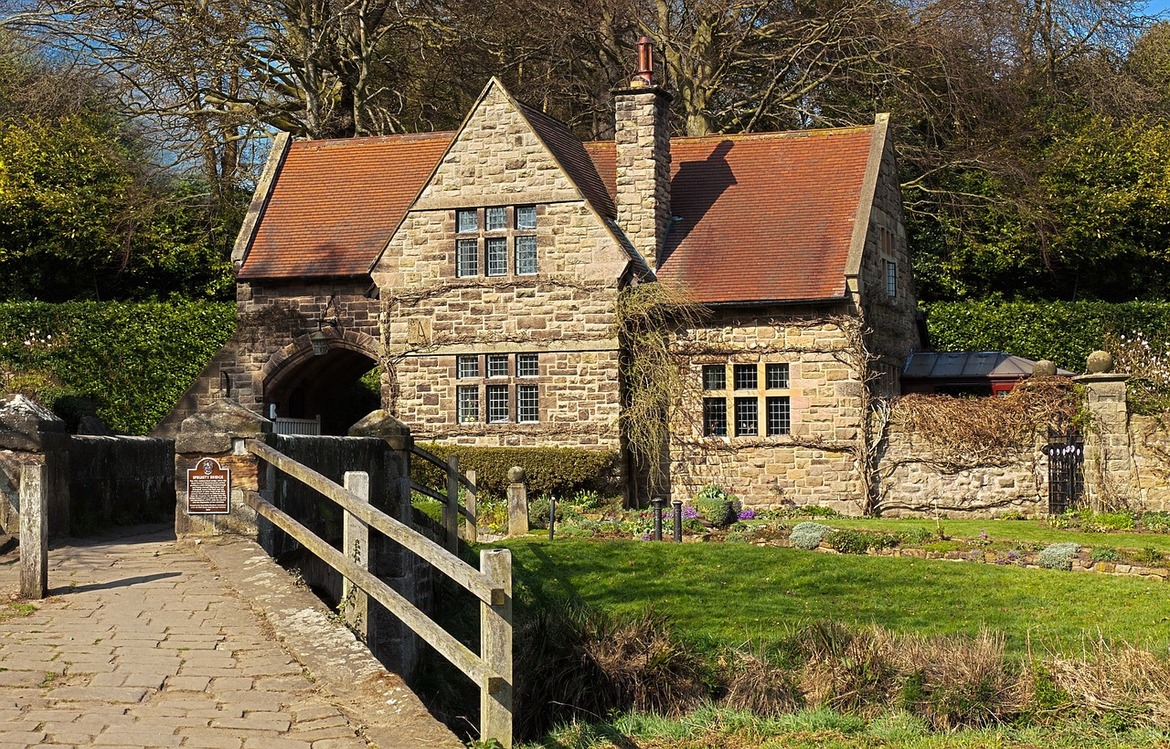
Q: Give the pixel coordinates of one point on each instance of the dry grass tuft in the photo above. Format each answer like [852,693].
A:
[757,684]
[960,682]
[1117,681]
[848,671]
[645,666]
[575,662]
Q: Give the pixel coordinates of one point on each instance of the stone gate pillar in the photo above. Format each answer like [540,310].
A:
[1108,460]
[218,432]
[31,434]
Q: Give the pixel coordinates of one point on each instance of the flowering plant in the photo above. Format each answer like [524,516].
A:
[1148,365]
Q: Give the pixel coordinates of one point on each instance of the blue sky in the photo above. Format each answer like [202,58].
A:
[1158,6]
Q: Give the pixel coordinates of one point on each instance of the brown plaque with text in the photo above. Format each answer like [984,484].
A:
[209,488]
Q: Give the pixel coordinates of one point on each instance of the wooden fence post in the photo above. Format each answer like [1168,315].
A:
[34,532]
[355,544]
[451,509]
[495,621]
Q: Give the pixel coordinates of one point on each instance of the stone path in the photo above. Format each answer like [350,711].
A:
[143,644]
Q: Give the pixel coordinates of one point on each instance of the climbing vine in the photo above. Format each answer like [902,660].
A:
[653,370]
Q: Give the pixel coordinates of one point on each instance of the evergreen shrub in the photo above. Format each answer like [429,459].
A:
[540,508]
[561,471]
[1059,556]
[1065,332]
[125,362]
[808,535]
[715,506]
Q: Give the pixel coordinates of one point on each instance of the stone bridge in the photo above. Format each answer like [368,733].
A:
[148,638]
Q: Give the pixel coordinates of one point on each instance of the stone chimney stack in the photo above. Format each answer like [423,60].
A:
[642,145]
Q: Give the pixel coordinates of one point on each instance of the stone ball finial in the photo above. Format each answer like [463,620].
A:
[1099,362]
[1044,368]
[516,475]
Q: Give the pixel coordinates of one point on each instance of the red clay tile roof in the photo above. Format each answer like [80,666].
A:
[765,217]
[335,204]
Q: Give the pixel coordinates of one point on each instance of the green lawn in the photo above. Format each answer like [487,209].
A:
[1030,531]
[734,592]
[824,729]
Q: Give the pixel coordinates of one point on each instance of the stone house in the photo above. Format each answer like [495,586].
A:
[481,269]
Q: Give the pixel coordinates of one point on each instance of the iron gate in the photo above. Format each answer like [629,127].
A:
[1066,478]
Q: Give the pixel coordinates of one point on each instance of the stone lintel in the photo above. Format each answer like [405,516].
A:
[509,347]
[493,196]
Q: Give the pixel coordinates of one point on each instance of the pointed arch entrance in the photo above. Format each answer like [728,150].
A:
[322,379]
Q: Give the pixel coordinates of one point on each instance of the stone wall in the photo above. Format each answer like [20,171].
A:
[916,477]
[94,482]
[815,463]
[120,480]
[273,325]
[1149,441]
[893,332]
[1126,465]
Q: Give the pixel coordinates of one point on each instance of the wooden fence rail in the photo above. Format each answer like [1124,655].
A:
[452,508]
[491,584]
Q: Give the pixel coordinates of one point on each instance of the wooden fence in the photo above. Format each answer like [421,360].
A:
[491,669]
[452,507]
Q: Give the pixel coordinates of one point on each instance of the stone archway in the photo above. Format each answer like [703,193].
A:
[303,382]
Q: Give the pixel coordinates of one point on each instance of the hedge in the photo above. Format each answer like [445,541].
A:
[1065,332]
[126,362]
[560,471]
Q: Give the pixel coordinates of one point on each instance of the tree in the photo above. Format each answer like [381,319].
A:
[83,212]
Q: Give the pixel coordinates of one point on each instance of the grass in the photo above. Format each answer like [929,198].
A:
[1025,531]
[14,609]
[736,593]
[710,727]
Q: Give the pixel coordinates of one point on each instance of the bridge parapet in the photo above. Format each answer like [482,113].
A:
[218,432]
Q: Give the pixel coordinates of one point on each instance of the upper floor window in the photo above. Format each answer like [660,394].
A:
[776,375]
[497,365]
[714,377]
[466,367]
[527,365]
[497,256]
[745,377]
[466,221]
[496,219]
[466,257]
[891,278]
[525,217]
[504,241]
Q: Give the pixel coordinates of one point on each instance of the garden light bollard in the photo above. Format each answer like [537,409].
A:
[552,517]
[677,504]
[658,502]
